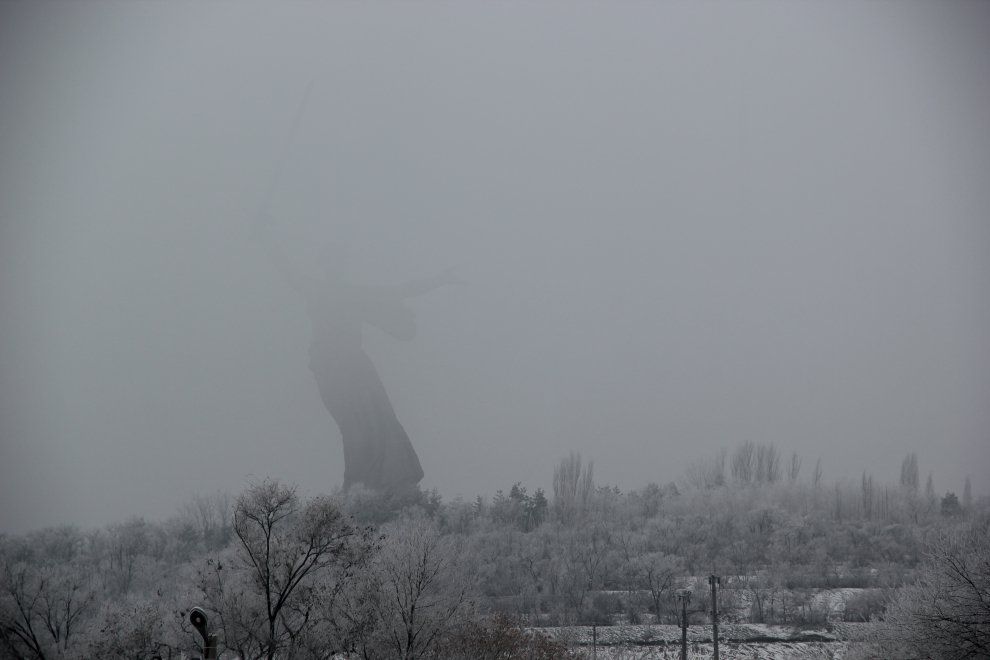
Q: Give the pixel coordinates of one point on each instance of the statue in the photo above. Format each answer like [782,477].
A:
[377,450]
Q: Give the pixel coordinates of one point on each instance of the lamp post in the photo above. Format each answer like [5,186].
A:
[684,596]
[198,618]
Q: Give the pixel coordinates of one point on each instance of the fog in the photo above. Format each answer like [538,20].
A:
[679,226]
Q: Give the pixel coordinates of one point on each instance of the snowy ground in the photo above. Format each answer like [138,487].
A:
[753,651]
[831,603]
[749,641]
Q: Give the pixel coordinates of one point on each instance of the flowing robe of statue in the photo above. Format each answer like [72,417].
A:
[377,450]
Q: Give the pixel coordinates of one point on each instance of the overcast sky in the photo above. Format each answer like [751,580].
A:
[681,225]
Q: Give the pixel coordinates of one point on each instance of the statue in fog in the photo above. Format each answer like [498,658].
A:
[377,450]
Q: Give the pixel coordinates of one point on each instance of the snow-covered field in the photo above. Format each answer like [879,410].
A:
[728,651]
[749,641]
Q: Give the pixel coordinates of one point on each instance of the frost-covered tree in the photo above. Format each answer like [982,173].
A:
[794,468]
[210,516]
[657,571]
[950,505]
[909,473]
[930,498]
[47,594]
[422,586]
[287,550]
[767,464]
[136,629]
[573,486]
[706,473]
[946,613]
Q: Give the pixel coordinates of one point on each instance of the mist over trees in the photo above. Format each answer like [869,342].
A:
[412,576]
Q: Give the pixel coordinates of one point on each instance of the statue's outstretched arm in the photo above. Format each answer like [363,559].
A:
[419,287]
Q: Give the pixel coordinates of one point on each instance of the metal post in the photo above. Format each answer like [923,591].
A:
[714,580]
[683,628]
[684,595]
[211,647]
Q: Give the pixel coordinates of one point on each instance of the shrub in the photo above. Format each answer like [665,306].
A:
[500,637]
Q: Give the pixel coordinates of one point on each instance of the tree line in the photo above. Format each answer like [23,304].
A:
[409,575]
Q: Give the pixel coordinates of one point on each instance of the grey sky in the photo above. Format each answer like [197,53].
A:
[683,226]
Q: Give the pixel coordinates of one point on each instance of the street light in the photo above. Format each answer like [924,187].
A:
[197,617]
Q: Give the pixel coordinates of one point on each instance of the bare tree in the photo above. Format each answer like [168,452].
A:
[794,469]
[767,464]
[816,475]
[760,463]
[946,613]
[706,473]
[47,592]
[909,473]
[930,498]
[136,629]
[572,487]
[211,516]
[21,629]
[744,463]
[423,589]
[584,563]
[42,608]
[658,571]
[126,543]
[263,595]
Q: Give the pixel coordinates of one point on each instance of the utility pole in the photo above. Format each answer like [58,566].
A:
[684,595]
[715,581]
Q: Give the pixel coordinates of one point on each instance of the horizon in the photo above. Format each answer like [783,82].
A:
[680,482]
